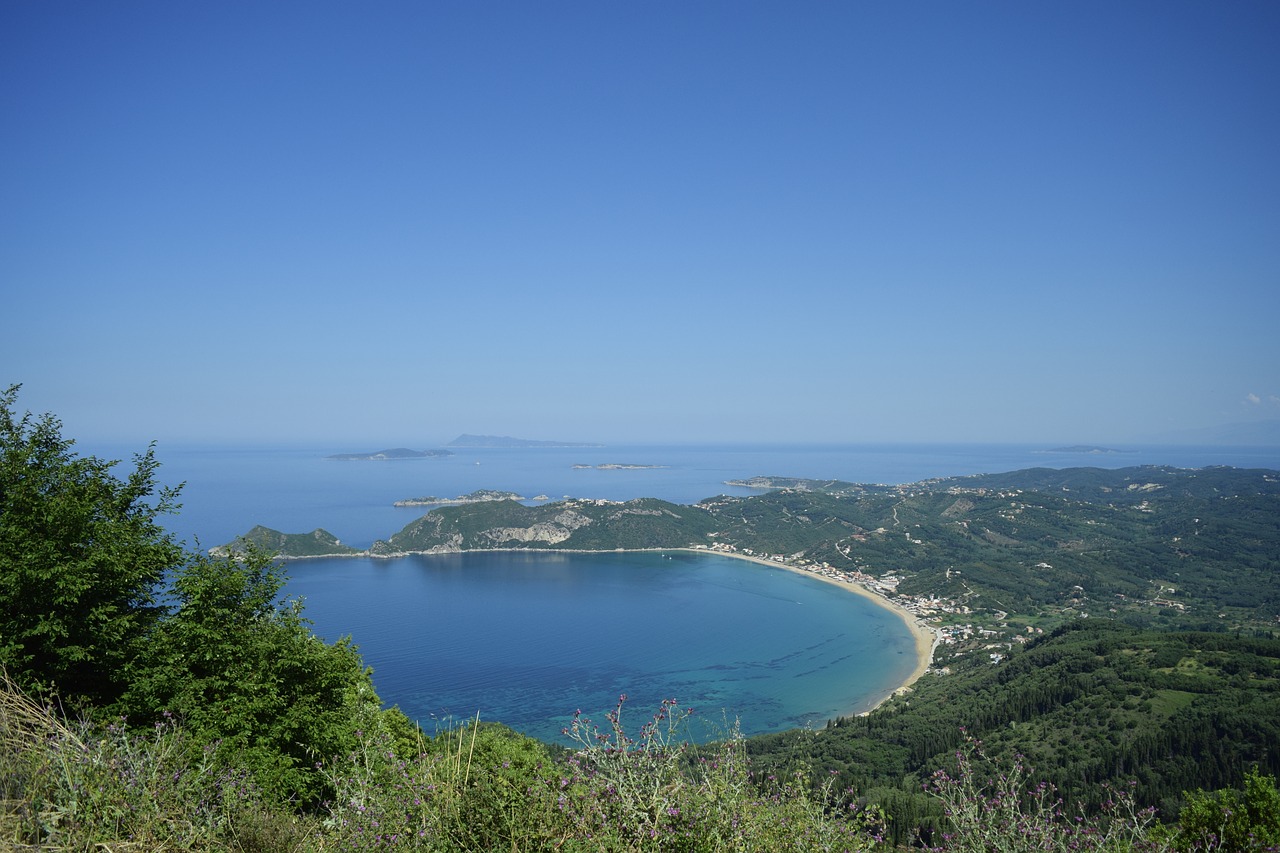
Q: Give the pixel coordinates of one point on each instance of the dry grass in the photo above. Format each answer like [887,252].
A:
[31,735]
[26,724]
[68,786]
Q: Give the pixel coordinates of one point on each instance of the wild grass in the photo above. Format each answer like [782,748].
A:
[70,785]
[477,787]
[74,786]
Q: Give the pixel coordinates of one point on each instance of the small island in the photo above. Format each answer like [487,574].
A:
[395,453]
[617,466]
[478,496]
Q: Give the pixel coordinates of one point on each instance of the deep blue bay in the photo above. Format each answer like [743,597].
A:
[528,638]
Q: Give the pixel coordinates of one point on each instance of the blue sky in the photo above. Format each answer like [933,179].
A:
[390,223]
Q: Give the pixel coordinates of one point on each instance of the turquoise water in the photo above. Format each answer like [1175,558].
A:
[527,639]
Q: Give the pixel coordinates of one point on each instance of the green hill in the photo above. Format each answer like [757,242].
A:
[572,524]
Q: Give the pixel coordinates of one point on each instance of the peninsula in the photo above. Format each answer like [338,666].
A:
[800,484]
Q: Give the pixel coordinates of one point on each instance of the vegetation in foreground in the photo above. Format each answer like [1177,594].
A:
[88,787]
[158,699]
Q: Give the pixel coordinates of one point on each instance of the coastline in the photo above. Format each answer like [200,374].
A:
[926,639]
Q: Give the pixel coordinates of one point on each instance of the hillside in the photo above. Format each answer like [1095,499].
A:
[1153,546]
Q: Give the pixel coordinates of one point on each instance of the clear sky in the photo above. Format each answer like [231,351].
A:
[380,224]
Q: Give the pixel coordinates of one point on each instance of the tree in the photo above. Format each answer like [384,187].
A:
[81,557]
[238,666]
[83,565]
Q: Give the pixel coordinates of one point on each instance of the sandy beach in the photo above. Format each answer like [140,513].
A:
[925,638]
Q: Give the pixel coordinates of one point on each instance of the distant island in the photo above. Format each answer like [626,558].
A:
[478,496]
[617,466]
[1084,448]
[465,440]
[393,454]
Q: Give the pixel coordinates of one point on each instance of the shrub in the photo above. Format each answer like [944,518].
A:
[1232,820]
[467,788]
[240,668]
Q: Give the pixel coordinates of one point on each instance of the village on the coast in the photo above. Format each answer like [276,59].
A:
[955,627]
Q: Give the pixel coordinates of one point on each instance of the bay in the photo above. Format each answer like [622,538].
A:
[529,638]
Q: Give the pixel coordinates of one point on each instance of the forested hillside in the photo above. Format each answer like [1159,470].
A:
[1093,703]
[575,524]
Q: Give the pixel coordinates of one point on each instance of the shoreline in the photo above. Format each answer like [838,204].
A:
[926,639]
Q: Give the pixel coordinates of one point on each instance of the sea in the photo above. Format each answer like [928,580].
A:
[528,639]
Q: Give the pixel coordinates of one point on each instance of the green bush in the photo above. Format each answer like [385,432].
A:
[1230,820]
